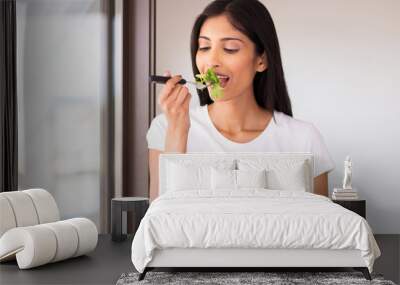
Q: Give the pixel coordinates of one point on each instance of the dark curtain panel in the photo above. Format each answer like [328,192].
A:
[107,191]
[138,102]
[8,98]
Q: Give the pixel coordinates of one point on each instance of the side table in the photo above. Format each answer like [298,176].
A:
[357,206]
[138,205]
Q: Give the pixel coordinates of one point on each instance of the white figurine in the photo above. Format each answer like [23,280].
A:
[347,173]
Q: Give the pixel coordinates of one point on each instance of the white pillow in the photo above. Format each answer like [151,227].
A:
[223,179]
[251,178]
[187,177]
[236,179]
[294,178]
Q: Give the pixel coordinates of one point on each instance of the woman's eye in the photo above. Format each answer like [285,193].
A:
[203,48]
[226,49]
[230,50]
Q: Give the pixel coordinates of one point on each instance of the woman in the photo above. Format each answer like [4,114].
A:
[236,38]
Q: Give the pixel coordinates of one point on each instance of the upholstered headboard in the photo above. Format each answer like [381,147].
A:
[235,160]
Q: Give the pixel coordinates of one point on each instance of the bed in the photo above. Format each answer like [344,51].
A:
[246,210]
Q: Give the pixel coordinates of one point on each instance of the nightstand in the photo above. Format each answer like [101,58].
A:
[138,205]
[357,206]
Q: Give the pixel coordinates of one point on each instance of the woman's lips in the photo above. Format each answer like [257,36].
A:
[224,82]
[223,79]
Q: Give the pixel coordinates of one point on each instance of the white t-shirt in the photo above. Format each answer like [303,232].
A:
[284,134]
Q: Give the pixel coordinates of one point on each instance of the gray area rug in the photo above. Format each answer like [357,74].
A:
[228,278]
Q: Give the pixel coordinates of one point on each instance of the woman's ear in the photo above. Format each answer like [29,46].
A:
[262,63]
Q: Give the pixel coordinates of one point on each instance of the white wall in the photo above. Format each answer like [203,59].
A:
[61,63]
[341,59]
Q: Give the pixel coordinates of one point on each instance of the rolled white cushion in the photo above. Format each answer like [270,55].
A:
[87,233]
[33,245]
[23,208]
[7,218]
[67,239]
[41,244]
[45,205]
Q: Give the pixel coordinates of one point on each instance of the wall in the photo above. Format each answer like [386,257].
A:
[340,60]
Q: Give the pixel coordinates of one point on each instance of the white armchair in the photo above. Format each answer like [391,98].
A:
[31,230]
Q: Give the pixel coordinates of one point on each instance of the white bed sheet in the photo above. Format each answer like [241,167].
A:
[250,218]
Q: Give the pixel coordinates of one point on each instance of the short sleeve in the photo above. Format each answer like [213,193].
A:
[156,133]
[323,162]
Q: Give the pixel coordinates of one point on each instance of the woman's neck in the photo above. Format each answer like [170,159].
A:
[239,114]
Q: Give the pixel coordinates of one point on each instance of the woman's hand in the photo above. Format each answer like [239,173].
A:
[174,101]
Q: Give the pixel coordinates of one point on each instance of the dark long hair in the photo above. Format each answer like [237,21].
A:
[252,19]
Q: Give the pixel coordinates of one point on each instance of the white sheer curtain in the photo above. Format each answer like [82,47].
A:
[62,86]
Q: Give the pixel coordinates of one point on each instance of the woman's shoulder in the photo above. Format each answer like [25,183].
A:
[306,137]
[292,124]
[299,130]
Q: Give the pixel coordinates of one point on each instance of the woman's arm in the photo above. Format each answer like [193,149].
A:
[153,168]
[321,184]
[174,101]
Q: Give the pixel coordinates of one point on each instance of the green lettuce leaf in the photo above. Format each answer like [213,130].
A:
[210,78]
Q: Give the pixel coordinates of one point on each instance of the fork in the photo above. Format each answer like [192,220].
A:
[164,79]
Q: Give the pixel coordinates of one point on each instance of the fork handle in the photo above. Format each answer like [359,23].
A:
[164,79]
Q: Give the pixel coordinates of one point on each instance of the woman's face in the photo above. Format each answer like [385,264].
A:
[230,53]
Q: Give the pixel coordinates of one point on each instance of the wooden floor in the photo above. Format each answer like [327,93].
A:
[111,259]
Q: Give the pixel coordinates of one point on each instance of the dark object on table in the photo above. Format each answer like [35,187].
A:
[138,205]
[357,206]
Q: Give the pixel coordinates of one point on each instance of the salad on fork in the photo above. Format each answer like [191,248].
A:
[211,79]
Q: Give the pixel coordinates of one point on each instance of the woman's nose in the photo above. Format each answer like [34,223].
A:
[213,66]
[213,59]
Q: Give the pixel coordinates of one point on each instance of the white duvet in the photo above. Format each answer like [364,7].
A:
[252,218]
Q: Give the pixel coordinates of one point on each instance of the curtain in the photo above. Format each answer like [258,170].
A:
[8,98]
[138,101]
